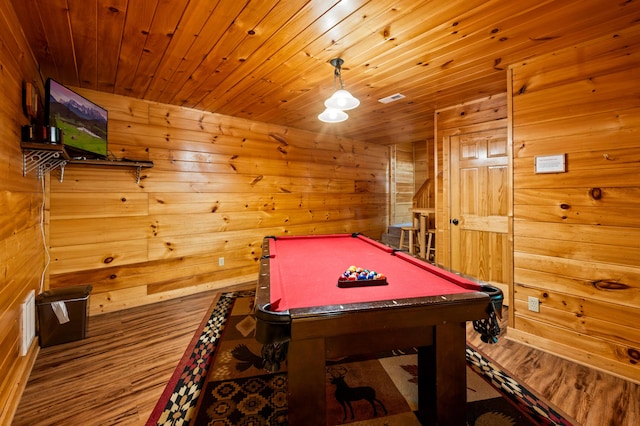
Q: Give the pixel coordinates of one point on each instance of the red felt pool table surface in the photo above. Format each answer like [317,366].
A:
[305,272]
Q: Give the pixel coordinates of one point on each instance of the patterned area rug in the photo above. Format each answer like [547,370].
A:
[220,381]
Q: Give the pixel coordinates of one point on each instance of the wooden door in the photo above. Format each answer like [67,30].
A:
[479,206]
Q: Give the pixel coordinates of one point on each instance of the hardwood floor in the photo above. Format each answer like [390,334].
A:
[590,397]
[117,373]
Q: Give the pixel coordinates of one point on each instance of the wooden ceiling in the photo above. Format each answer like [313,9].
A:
[268,60]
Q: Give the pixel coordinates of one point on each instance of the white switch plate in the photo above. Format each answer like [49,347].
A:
[221,261]
[534,304]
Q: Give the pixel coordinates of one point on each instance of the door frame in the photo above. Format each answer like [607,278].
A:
[443,210]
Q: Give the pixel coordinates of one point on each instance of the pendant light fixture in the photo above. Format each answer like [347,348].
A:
[340,101]
[333,115]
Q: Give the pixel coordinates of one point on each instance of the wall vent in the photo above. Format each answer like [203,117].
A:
[28,322]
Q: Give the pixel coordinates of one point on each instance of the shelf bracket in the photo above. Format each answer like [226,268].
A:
[42,162]
[44,158]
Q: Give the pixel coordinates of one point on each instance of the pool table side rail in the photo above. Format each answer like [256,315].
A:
[272,326]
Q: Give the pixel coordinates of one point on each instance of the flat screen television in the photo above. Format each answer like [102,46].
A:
[83,123]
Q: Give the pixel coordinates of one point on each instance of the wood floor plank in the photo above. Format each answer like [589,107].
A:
[591,397]
[116,375]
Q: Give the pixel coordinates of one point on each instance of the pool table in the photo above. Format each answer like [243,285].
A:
[300,307]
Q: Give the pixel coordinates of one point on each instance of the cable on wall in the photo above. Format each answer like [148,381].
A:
[44,240]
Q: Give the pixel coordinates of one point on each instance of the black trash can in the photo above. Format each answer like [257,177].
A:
[62,314]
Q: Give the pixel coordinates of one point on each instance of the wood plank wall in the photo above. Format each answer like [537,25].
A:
[402,187]
[218,186]
[576,234]
[422,162]
[21,244]
[409,170]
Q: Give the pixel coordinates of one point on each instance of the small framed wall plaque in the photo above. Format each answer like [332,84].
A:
[550,163]
[31,101]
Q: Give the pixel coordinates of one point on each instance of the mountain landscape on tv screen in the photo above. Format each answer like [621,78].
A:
[84,111]
[83,124]
[81,117]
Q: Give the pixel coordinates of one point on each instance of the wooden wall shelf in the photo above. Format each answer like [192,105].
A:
[44,158]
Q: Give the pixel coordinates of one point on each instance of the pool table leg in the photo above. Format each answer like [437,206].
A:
[306,382]
[442,377]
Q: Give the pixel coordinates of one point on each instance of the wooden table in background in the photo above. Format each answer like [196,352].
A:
[423,214]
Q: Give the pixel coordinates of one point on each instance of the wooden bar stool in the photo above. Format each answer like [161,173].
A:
[412,244]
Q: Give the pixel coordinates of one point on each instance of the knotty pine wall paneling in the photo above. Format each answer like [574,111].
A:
[218,186]
[422,162]
[402,182]
[576,234]
[21,244]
